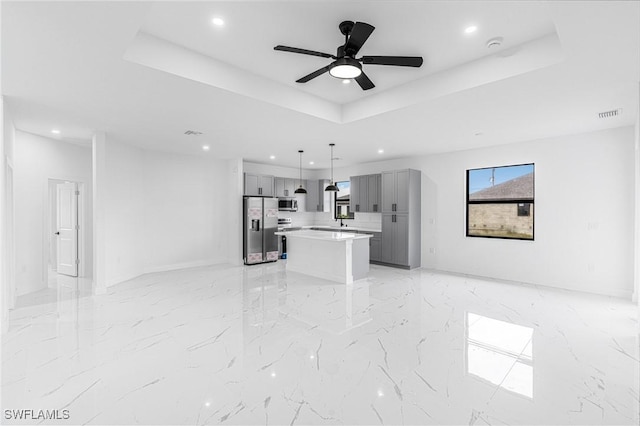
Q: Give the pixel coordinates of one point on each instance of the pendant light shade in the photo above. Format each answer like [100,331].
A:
[300,190]
[332,185]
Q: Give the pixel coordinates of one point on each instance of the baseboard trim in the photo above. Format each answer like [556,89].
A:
[122,278]
[178,266]
[621,294]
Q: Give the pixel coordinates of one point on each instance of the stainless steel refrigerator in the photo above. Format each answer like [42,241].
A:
[260,223]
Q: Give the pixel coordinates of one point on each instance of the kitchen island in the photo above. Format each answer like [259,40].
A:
[336,256]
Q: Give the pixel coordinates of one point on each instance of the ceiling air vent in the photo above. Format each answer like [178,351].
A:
[609,114]
[192,133]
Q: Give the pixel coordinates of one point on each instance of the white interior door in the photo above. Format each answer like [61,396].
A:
[67,232]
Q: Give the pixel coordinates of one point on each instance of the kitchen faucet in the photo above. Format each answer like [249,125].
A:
[342,224]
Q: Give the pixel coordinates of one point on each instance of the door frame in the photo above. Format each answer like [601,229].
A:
[48,232]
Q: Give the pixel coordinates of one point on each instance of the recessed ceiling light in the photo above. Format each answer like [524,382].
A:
[470,29]
[55,131]
[205,147]
[381,151]
[311,163]
[217,21]
[273,157]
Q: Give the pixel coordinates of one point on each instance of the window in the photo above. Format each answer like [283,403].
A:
[500,202]
[524,209]
[341,201]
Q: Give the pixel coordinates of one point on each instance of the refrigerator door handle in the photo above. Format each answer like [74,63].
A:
[255,224]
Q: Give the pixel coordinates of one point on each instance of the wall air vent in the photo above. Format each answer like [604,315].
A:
[609,114]
[192,133]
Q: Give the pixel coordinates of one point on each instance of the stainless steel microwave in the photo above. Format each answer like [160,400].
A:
[287,204]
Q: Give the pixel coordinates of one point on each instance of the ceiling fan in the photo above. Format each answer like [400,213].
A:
[346,65]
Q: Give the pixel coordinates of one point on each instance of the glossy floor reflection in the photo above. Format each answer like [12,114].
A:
[257,345]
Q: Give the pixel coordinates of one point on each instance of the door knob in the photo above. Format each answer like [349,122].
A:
[58,233]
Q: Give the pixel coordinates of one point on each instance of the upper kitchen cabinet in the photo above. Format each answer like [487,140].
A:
[374,193]
[258,185]
[365,194]
[285,187]
[318,200]
[358,196]
[397,188]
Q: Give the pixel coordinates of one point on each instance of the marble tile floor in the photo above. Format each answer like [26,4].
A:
[257,345]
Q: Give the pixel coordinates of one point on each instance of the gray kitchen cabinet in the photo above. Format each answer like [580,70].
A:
[317,199]
[260,185]
[396,190]
[395,239]
[358,198]
[401,228]
[285,187]
[365,194]
[354,196]
[375,247]
[373,198]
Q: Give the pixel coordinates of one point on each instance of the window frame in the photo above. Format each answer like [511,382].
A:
[516,201]
[350,214]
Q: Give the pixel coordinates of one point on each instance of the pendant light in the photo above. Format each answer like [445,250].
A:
[332,185]
[300,190]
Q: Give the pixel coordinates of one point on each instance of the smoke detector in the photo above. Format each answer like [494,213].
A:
[494,42]
[609,114]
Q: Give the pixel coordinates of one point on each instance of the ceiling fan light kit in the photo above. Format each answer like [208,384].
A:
[345,68]
[345,64]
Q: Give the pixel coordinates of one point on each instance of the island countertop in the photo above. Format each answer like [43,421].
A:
[338,229]
[333,255]
[324,235]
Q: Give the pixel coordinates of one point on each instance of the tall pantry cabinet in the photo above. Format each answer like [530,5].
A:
[401,230]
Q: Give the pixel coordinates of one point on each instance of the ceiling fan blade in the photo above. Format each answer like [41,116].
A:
[359,34]
[401,61]
[313,75]
[364,82]
[303,51]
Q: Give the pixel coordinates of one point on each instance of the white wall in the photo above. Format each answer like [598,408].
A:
[5,286]
[164,211]
[584,212]
[183,211]
[122,212]
[7,280]
[636,292]
[233,210]
[36,160]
